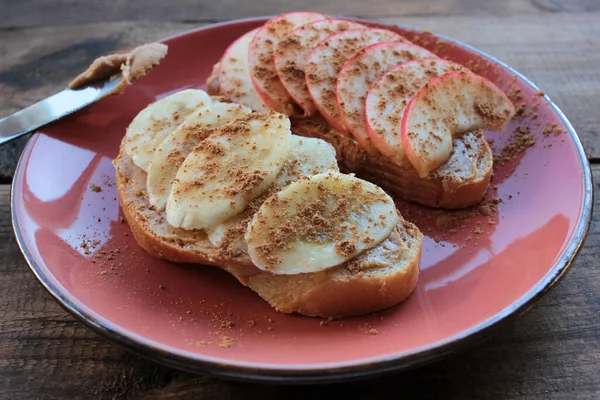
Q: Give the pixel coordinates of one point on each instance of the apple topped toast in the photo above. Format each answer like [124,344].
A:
[209,182]
[396,114]
[246,176]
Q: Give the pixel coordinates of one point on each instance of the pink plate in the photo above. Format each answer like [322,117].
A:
[67,221]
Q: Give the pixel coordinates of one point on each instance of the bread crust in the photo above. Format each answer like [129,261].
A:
[376,279]
[335,294]
[445,188]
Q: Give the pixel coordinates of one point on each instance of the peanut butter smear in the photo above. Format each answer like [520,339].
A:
[132,65]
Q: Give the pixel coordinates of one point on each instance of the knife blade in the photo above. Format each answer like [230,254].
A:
[53,108]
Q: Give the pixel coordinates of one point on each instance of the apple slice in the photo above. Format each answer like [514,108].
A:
[262,63]
[291,53]
[360,72]
[234,74]
[325,62]
[448,105]
[389,96]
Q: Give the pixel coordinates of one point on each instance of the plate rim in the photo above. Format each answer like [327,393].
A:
[342,371]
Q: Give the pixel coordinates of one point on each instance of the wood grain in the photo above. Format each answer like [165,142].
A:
[551,352]
[33,13]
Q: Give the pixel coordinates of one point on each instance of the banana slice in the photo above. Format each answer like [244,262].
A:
[318,223]
[306,157]
[149,128]
[231,167]
[175,148]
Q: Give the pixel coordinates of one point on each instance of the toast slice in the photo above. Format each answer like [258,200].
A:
[376,279]
[461,182]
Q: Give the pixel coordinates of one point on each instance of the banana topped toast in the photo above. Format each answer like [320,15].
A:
[396,114]
[209,182]
[219,178]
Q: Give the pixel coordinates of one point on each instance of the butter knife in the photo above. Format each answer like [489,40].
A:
[53,108]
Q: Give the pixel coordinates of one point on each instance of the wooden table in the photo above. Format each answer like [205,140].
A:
[553,352]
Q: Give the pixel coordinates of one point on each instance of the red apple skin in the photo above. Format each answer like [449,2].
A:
[392,150]
[407,52]
[328,27]
[257,104]
[277,97]
[423,163]
[363,38]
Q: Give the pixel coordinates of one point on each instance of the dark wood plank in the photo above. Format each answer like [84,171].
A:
[549,353]
[37,62]
[32,13]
